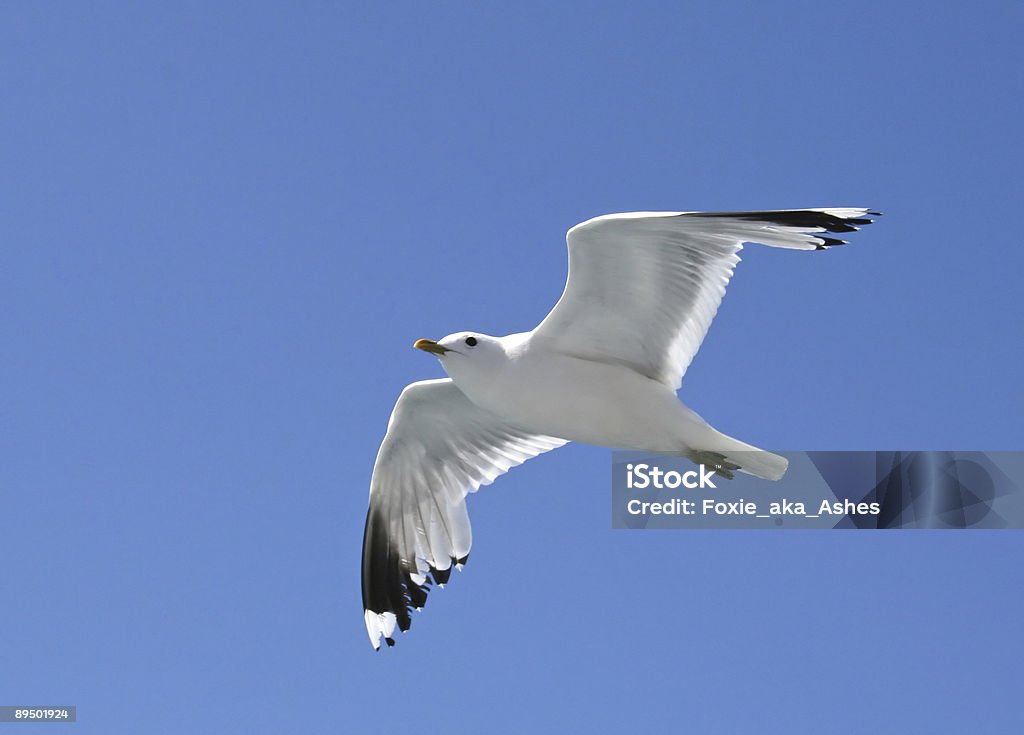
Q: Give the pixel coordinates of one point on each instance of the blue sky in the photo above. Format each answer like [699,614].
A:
[223,227]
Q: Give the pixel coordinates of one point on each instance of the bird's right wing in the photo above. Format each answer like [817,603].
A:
[439,446]
[643,287]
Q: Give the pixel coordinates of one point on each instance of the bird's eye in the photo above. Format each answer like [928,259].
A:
[471,341]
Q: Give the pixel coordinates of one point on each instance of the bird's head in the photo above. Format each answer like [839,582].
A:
[465,355]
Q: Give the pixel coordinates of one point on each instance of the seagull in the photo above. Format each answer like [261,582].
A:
[602,368]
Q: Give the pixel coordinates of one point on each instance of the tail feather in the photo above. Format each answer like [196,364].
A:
[732,454]
[760,463]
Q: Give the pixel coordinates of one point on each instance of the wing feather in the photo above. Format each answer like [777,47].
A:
[643,287]
[439,446]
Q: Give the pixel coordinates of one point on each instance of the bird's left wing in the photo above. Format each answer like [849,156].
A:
[439,446]
[643,287]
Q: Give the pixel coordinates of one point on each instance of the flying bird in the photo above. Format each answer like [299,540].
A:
[602,368]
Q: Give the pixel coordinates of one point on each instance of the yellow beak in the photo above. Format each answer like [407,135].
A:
[429,345]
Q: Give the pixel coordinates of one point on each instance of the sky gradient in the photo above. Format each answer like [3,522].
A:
[223,228]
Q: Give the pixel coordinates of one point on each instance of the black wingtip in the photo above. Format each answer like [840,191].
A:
[808,219]
[441,575]
[829,242]
[390,582]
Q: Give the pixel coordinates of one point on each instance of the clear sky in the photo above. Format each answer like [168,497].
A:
[223,227]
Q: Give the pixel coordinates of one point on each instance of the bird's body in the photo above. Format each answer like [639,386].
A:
[613,406]
[610,405]
[602,368]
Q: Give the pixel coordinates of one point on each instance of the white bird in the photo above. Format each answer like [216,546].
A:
[602,368]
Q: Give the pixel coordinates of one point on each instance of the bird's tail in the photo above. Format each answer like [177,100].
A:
[728,455]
